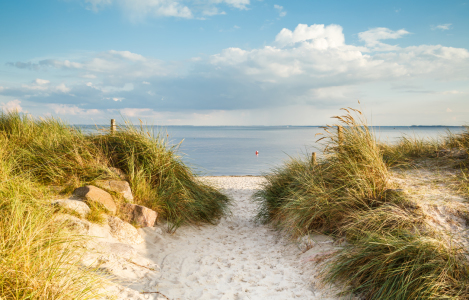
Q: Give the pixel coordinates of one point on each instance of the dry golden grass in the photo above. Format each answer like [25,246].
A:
[402,244]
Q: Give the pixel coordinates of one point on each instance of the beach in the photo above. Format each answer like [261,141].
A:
[236,259]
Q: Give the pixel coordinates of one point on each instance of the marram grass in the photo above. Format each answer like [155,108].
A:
[402,265]
[39,256]
[302,197]
[53,153]
[159,178]
[407,149]
[391,253]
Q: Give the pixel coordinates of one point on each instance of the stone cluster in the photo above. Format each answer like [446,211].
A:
[137,215]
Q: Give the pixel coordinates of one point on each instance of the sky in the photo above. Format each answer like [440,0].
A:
[236,62]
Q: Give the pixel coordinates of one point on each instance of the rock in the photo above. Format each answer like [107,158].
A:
[140,215]
[94,194]
[118,186]
[123,231]
[79,206]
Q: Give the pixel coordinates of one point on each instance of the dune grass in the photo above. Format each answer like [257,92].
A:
[460,141]
[408,149]
[402,265]
[391,252]
[159,179]
[39,256]
[303,197]
[56,154]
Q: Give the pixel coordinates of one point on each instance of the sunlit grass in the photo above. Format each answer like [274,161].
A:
[302,197]
[392,252]
[39,256]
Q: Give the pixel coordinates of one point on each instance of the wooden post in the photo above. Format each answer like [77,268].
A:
[113,126]
[313,158]
[340,134]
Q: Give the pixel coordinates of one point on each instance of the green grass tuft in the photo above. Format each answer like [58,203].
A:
[39,256]
[53,153]
[302,197]
[401,265]
[159,179]
[392,252]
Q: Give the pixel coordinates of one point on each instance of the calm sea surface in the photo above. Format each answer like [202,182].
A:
[231,150]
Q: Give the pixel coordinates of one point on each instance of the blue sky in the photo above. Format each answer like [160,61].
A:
[236,62]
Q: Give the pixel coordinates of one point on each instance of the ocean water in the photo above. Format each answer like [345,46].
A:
[231,150]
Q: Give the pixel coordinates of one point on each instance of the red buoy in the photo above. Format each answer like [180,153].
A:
[257,152]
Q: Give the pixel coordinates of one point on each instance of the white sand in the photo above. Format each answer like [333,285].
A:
[236,259]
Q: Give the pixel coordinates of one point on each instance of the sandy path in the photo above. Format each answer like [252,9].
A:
[237,259]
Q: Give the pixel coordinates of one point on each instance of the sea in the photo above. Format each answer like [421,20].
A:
[231,150]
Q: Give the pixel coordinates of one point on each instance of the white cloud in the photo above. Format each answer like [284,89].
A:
[318,36]
[317,56]
[373,37]
[118,99]
[307,65]
[12,106]
[62,88]
[135,112]
[41,81]
[280,10]
[449,110]
[64,109]
[128,55]
[442,27]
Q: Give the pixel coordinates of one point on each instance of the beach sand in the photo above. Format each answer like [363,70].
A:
[236,259]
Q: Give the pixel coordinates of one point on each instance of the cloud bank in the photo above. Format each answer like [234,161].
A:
[311,65]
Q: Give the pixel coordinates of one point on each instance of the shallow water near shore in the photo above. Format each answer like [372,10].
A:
[231,150]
